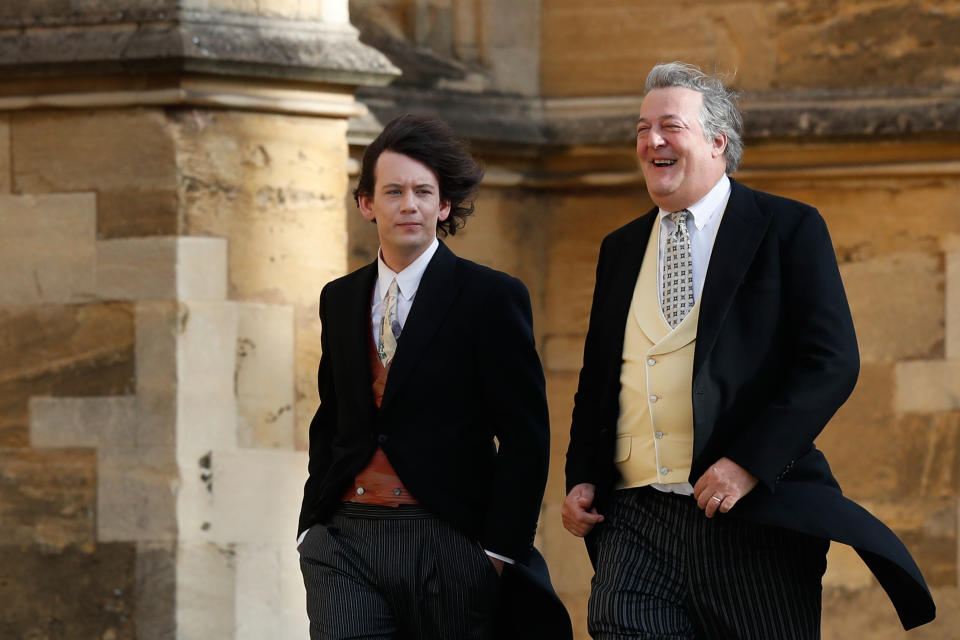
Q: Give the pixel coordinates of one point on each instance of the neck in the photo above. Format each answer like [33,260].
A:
[396,260]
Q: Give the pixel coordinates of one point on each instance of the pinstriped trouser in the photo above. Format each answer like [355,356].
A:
[390,573]
[666,571]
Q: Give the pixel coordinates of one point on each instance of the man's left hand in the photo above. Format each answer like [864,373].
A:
[722,485]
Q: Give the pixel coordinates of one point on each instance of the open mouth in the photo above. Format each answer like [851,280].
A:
[664,163]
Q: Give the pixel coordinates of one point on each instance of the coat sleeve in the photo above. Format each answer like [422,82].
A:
[323,425]
[586,461]
[821,359]
[514,397]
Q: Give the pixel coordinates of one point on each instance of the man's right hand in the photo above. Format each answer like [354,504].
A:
[578,512]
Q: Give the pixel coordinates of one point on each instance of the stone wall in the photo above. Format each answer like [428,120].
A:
[166,234]
[165,238]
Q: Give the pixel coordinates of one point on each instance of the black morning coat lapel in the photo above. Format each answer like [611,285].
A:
[438,288]
[624,272]
[356,331]
[738,237]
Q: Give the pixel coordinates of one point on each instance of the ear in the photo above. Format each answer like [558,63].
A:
[719,145]
[365,203]
[444,212]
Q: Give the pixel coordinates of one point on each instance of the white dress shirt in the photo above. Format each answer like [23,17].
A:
[408,282]
[702,223]
[702,226]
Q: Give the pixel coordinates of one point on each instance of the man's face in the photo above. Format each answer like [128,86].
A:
[406,206]
[679,165]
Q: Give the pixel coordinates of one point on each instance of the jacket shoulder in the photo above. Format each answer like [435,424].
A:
[784,211]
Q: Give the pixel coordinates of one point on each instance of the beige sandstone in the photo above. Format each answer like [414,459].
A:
[125,156]
[907,321]
[47,251]
[928,385]
[5,164]
[265,376]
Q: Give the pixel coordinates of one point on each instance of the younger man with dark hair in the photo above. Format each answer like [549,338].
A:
[428,454]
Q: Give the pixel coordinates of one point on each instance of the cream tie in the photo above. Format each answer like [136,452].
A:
[677,299]
[389,325]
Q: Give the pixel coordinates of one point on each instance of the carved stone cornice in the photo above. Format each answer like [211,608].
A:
[162,42]
[611,120]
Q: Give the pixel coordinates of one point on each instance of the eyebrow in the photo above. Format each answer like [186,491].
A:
[663,117]
[416,186]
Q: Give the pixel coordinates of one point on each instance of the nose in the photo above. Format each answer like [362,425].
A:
[409,202]
[656,140]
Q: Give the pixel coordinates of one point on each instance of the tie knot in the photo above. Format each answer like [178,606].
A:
[679,217]
[394,288]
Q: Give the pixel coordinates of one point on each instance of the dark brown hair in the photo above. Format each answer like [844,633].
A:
[431,141]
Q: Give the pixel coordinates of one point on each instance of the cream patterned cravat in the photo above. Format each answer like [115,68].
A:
[389,325]
[677,299]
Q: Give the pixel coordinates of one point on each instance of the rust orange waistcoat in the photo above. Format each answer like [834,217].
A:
[378,482]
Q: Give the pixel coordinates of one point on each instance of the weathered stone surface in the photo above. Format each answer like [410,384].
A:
[928,464]
[928,385]
[867,613]
[952,296]
[257,495]
[580,222]
[84,422]
[5,160]
[846,569]
[270,592]
[201,268]
[136,494]
[907,320]
[47,248]
[265,376]
[48,498]
[206,588]
[861,442]
[563,353]
[130,164]
[162,268]
[928,528]
[72,593]
[206,365]
[560,390]
[273,187]
[157,327]
[50,350]
[593,49]
[156,596]
[872,217]
[869,44]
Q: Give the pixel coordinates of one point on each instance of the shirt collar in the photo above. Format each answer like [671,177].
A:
[709,206]
[408,280]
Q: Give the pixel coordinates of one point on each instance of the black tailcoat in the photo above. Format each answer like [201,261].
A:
[463,418]
[775,357]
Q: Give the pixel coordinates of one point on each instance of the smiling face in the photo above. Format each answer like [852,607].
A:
[406,206]
[679,165]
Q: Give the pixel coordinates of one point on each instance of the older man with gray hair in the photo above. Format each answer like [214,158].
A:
[720,344]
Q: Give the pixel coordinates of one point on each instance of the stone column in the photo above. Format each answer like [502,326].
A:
[171,203]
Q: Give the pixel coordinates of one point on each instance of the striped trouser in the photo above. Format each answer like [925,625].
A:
[396,572]
[665,570]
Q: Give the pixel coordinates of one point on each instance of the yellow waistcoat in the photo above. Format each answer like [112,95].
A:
[655,427]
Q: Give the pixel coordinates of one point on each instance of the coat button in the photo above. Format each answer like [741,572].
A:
[360,491]
[382,438]
[658,434]
[397,491]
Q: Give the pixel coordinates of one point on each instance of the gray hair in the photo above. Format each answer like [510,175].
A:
[719,113]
